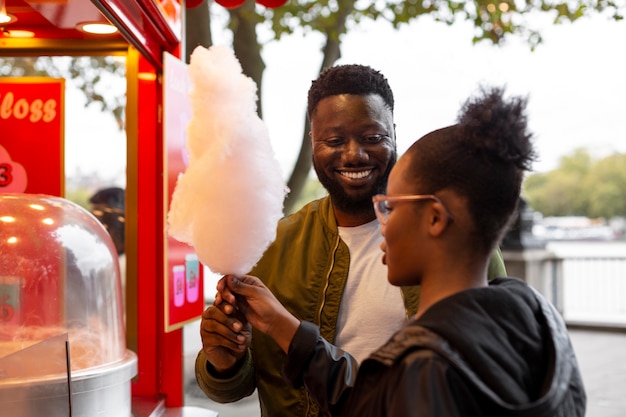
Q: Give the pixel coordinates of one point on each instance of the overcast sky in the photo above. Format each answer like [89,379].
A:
[575,81]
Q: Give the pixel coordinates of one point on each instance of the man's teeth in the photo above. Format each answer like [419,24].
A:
[357,175]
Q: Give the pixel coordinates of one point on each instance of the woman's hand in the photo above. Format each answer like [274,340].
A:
[259,306]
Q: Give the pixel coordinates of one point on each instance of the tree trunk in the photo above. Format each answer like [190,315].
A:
[197,28]
[243,21]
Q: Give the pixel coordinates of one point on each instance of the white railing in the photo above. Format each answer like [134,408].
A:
[593,290]
[586,281]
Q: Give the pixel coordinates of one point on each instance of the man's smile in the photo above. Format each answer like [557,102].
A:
[356,175]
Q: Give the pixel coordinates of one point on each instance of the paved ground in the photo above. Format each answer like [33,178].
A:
[601,356]
[602,359]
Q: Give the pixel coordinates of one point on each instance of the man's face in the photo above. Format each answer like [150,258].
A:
[354,148]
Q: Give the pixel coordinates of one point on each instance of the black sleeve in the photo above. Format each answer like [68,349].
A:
[326,371]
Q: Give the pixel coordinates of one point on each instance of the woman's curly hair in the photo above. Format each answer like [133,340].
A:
[483,158]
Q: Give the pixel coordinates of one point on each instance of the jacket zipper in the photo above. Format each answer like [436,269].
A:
[406,309]
[332,265]
[319,312]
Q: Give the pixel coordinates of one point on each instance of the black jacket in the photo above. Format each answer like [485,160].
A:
[496,351]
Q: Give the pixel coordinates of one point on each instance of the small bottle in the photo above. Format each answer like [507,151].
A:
[179,285]
[192,277]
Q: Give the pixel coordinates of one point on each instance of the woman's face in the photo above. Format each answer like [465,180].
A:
[405,231]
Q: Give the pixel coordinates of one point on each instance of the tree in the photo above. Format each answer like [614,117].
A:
[553,193]
[580,186]
[561,192]
[494,22]
[604,187]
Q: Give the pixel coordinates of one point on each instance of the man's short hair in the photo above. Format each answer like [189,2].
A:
[349,79]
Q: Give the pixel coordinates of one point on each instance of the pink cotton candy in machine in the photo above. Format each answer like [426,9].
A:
[62,334]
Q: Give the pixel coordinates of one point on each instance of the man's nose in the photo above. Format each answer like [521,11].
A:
[355,150]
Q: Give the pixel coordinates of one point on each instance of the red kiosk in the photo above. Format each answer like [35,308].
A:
[148,31]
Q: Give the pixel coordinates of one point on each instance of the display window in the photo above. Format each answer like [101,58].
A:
[92,138]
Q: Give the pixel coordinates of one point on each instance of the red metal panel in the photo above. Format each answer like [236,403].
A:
[160,365]
[67,14]
[169,345]
[54,20]
[164,24]
[148,263]
[143,25]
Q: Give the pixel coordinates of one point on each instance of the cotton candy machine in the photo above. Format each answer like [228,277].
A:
[62,338]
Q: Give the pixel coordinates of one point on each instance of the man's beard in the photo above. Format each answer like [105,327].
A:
[356,203]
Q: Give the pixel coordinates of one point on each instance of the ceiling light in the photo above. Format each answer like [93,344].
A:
[16,33]
[97,28]
[6,18]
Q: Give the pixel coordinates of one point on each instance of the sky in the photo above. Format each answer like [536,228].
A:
[93,143]
[574,82]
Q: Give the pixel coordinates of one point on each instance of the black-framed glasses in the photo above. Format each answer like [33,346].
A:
[381,204]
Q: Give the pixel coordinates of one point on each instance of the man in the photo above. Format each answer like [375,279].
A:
[324,265]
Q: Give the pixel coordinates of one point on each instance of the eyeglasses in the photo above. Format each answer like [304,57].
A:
[381,204]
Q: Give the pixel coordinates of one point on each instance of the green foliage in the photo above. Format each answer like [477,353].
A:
[580,186]
[605,186]
[494,20]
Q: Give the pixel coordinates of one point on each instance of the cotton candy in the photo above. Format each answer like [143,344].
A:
[227,203]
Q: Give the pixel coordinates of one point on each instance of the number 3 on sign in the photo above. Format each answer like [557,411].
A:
[5,174]
[13,178]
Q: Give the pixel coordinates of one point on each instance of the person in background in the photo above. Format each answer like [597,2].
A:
[475,347]
[108,205]
[324,265]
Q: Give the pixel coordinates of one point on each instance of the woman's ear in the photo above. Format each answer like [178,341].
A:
[438,218]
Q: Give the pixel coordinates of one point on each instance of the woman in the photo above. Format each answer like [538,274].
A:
[475,347]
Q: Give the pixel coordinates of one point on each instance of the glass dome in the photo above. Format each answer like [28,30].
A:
[59,275]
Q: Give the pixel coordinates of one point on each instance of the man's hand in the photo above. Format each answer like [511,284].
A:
[225,335]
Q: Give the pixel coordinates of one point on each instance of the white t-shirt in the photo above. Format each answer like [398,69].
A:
[372,309]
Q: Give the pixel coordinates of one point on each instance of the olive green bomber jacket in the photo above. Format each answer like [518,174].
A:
[306,268]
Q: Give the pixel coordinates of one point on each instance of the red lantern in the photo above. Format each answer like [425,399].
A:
[230,4]
[272,4]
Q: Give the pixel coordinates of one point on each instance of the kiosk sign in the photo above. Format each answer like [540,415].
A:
[184,288]
[31,135]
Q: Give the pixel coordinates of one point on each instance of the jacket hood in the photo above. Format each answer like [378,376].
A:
[510,343]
